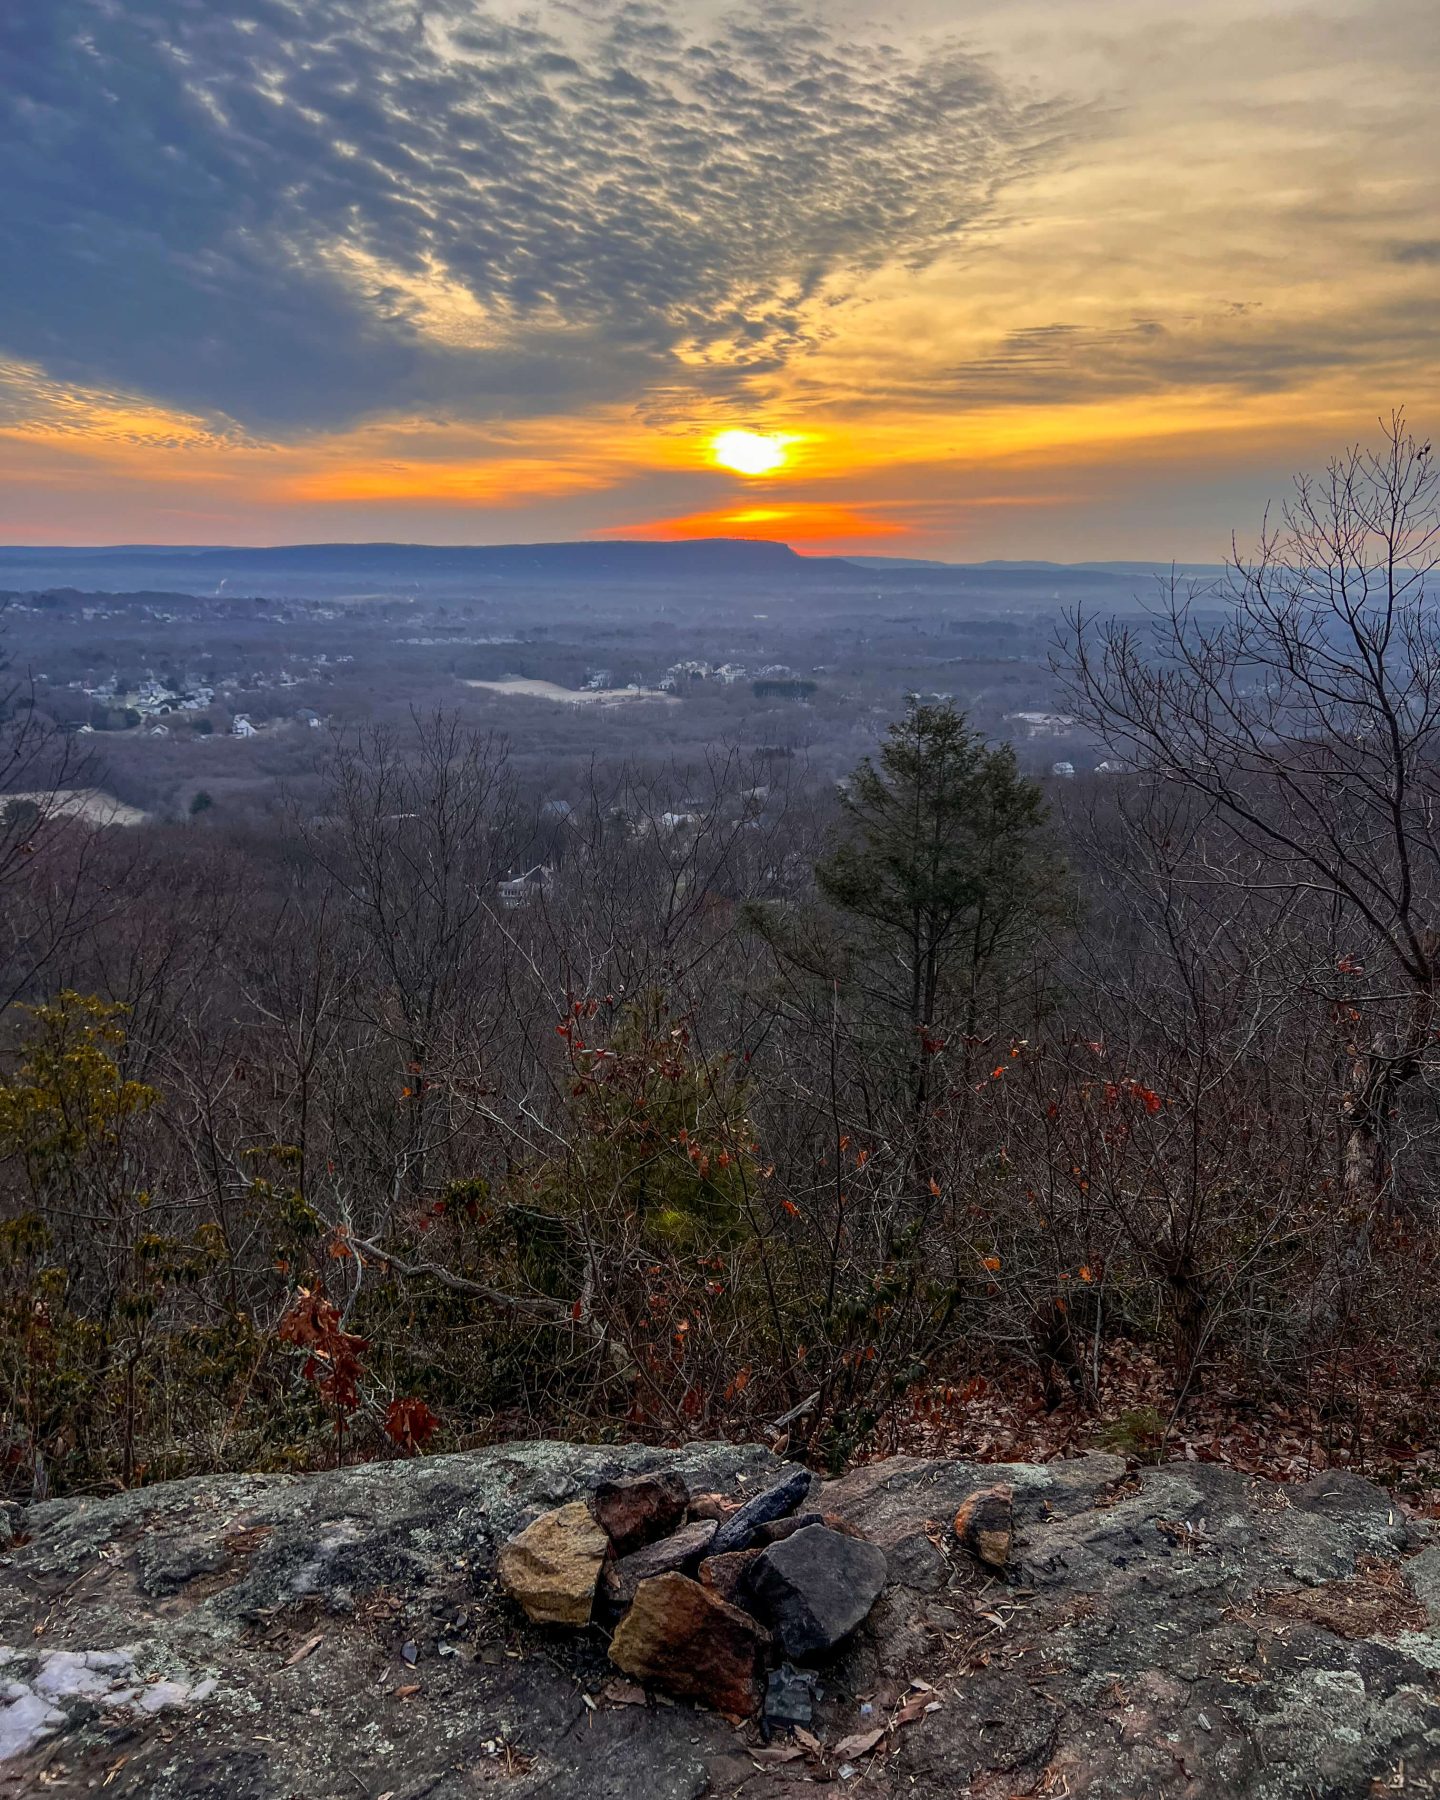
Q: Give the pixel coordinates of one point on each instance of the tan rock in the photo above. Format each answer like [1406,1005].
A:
[985,1524]
[551,1567]
[687,1640]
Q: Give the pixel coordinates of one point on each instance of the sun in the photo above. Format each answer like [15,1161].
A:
[748,452]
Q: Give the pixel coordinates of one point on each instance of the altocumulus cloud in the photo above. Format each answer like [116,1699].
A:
[298,213]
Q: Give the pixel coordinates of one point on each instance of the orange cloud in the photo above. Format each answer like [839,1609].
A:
[500,482]
[792,523]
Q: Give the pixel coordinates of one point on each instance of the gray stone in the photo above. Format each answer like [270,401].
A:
[683,1549]
[1422,1572]
[789,1696]
[772,1533]
[813,1589]
[736,1532]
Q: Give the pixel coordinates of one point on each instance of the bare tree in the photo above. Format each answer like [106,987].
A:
[1300,700]
[419,831]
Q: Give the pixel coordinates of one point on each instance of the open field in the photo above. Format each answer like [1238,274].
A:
[521,688]
[93,805]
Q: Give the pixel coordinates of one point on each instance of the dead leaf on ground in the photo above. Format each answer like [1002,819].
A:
[777,1753]
[809,1742]
[308,1648]
[916,1707]
[859,1744]
[407,1692]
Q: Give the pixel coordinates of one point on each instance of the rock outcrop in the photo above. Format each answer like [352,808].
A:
[1182,1633]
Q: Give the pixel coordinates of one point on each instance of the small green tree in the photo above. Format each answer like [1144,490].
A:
[943,879]
[947,865]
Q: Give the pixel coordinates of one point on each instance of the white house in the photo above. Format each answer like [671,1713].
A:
[1041,724]
[520,890]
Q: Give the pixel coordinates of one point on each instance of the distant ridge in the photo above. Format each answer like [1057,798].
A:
[697,568]
[580,560]
[1004,565]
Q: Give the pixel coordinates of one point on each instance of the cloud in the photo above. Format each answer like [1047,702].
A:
[300,213]
[1242,350]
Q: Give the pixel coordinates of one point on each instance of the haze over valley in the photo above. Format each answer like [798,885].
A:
[153,655]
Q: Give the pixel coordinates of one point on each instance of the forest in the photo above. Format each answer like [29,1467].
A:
[936,1107]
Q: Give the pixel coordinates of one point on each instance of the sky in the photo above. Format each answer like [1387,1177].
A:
[1072,279]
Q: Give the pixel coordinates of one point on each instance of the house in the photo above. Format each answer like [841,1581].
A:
[521,890]
[241,727]
[1065,770]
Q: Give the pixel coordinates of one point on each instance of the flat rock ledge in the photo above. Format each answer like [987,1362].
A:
[1179,1631]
